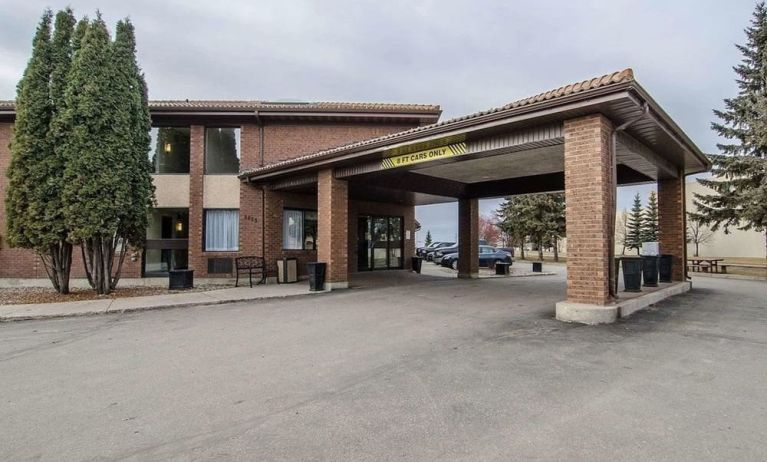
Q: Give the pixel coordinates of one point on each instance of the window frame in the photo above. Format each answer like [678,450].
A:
[155,166]
[238,143]
[303,229]
[205,230]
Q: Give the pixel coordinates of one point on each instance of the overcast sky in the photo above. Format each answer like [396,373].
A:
[466,56]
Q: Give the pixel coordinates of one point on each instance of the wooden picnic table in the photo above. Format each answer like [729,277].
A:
[704,263]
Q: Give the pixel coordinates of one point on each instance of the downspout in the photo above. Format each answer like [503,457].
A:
[260,124]
[614,194]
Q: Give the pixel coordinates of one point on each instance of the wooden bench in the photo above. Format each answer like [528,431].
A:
[698,267]
[251,265]
[738,265]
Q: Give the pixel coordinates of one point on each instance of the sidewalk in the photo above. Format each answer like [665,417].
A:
[123,305]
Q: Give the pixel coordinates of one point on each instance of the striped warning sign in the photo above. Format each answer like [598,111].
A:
[450,150]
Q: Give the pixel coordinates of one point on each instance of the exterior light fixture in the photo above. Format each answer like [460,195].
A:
[168,148]
[179,226]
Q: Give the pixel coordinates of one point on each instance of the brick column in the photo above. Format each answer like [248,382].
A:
[333,228]
[589,202]
[196,182]
[251,212]
[468,238]
[672,224]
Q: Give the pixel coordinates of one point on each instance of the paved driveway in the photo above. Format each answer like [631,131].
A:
[431,369]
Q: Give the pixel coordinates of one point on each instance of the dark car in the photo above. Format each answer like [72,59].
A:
[488,257]
[436,254]
[422,251]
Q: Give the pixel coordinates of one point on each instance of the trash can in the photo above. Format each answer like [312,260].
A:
[416,264]
[650,270]
[537,267]
[664,268]
[179,279]
[287,270]
[632,274]
[502,268]
[316,276]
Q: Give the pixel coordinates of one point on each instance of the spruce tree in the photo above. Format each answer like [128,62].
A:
[108,189]
[34,196]
[739,177]
[650,222]
[635,225]
[427,241]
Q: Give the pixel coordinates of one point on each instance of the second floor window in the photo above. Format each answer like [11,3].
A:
[169,151]
[222,150]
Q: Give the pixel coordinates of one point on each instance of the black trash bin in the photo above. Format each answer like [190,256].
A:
[632,274]
[316,276]
[416,264]
[537,267]
[650,270]
[664,268]
[502,268]
[179,279]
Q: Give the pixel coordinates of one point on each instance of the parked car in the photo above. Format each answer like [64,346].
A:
[452,247]
[422,251]
[437,254]
[488,257]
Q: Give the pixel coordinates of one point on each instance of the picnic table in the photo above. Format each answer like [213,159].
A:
[705,264]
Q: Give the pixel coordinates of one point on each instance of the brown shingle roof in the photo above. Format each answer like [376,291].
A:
[324,106]
[320,106]
[626,75]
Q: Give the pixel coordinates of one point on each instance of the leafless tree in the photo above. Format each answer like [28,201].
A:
[698,233]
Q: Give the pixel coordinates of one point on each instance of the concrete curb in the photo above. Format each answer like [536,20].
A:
[131,309]
[586,313]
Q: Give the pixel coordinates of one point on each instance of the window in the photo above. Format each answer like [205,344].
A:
[299,229]
[222,230]
[166,241]
[169,151]
[222,150]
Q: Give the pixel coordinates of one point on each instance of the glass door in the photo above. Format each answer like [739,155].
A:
[379,243]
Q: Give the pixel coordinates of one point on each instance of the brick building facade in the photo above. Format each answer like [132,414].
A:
[268,133]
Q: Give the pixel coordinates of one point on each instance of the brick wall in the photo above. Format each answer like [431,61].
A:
[288,140]
[672,224]
[332,225]
[589,201]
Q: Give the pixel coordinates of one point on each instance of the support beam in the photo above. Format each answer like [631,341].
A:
[468,238]
[333,228]
[672,224]
[588,195]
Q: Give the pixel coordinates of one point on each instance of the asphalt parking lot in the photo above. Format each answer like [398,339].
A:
[430,369]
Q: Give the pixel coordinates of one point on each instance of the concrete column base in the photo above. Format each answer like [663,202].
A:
[336,285]
[587,313]
[468,276]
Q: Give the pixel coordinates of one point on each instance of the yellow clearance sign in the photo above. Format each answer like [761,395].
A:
[450,150]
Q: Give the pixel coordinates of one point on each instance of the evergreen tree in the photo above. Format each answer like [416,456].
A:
[650,222]
[427,242]
[107,185]
[635,225]
[740,174]
[35,184]
[537,217]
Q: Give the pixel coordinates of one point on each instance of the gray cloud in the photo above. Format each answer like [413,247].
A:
[464,55]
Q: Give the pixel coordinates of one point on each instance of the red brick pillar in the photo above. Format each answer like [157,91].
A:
[672,224]
[251,200]
[468,238]
[196,182]
[588,194]
[333,228]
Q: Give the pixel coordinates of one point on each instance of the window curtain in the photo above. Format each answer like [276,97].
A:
[293,229]
[222,230]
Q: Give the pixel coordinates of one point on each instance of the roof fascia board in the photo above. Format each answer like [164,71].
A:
[508,116]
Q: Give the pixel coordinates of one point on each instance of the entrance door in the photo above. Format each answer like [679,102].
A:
[379,243]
